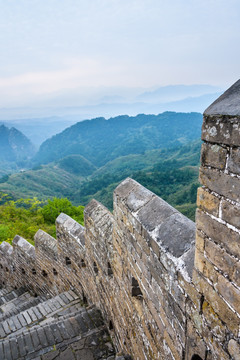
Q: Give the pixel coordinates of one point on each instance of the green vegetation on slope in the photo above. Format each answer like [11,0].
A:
[43,182]
[170,173]
[100,140]
[25,217]
[15,147]
[174,178]
[77,165]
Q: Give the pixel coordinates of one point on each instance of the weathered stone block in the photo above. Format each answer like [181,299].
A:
[176,234]
[220,258]
[231,213]
[154,213]
[219,232]
[124,189]
[234,161]
[190,291]
[213,155]
[172,345]
[200,241]
[210,272]
[227,103]
[234,349]
[218,304]
[229,292]
[200,260]
[208,202]
[195,345]
[221,183]
[236,274]
[218,329]
[188,260]
[221,129]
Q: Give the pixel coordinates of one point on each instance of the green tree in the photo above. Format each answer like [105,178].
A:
[25,216]
[56,206]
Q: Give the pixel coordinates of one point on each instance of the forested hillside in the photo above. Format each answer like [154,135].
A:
[100,140]
[25,217]
[89,159]
[170,173]
[15,150]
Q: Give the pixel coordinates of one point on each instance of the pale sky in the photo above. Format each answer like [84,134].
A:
[51,47]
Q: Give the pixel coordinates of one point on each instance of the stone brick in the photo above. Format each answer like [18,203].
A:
[231,213]
[220,258]
[236,274]
[213,155]
[220,233]
[234,349]
[195,345]
[172,345]
[190,290]
[217,328]
[227,103]
[125,188]
[210,272]
[229,292]
[200,241]
[200,260]
[208,202]
[234,161]
[218,304]
[176,234]
[221,129]
[221,183]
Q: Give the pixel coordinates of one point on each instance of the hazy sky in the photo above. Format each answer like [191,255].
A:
[52,47]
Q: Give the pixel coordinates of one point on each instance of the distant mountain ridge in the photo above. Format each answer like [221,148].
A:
[14,145]
[100,140]
[171,93]
[170,173]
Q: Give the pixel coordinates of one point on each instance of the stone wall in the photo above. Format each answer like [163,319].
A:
[217,266]
[162,296]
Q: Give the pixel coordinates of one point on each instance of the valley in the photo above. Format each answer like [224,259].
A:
[89,159]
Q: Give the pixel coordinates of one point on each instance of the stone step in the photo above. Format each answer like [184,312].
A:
[7,295]
[59,335]
[18,305]
[63,304]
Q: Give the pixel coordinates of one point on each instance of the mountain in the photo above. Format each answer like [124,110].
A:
[177,92]
[171,173]
[14,145]
[40,129]
[89,159]
[100,140]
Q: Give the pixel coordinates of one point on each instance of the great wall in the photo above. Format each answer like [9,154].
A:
[166,288]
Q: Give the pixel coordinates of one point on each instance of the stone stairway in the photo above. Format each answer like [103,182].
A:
[46,329]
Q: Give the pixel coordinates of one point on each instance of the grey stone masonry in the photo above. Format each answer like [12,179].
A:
[217,255]
[227,104]
[58,328]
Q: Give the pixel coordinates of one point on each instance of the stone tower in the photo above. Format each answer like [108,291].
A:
[217,267]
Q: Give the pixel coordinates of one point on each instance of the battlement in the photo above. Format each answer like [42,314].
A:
[163,294]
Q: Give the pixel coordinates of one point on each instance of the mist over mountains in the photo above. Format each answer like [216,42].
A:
[47,117]
[100,140]
[14,145]
[83,159]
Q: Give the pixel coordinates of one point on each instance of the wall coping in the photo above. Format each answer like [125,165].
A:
[227,104]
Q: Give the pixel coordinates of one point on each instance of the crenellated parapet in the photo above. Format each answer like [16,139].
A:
[167,288]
